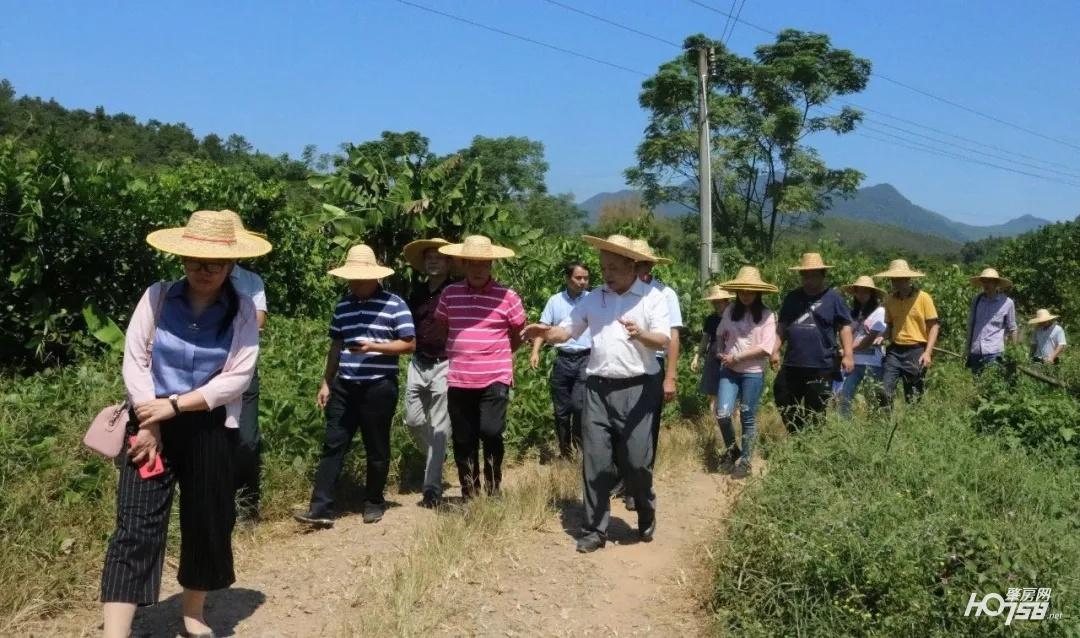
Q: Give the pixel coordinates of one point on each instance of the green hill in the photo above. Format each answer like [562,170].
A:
[873,237]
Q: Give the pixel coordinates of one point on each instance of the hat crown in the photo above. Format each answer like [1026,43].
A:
[864,281]
[621,240]
[989,273]
[899,264]
[210,226]
[361,255]
[811,260]
[748,274]
[642,246]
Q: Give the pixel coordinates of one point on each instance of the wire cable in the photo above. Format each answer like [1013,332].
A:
[612,23]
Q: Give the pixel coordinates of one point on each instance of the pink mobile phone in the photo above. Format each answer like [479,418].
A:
[152,469]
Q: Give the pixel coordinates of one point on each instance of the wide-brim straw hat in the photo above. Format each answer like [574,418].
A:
[811,261]
[990,273]
[642,246]
[414,251]
[476,248]
[209,234]
[619,245]
[716,293]
[748,278]
[239,223]
[862,282]
[1042,315]
[899,269]
[360,263]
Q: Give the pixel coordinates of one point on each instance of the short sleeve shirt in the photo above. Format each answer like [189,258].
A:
[810,323]
[1047,340]
[381,318]
[674,311]
[863,326]
[479,324]
[557,308]
[908,317]
[249,284]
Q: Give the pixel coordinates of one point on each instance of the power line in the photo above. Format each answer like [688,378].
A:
[523,38]
[613,23]
[734,22]
[727,21]
[915,89]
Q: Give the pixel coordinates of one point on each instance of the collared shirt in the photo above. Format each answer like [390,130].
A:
[558,307]
[430,340]
[188,351]
[908,316]
[249,284]
[614,354]
[381,318]
[479,324]
[992,318]
[674,311]
[1046,341]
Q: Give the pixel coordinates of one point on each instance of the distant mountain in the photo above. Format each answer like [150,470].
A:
[880,204]
[871,236]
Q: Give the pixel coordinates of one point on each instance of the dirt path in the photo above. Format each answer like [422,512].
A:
[295,584]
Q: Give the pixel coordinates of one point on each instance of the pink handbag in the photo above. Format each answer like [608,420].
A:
[106,432]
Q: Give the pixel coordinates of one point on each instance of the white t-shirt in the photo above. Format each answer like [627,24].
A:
[249,284]
[1047,340]
[873,323]
[614,354]
[674,311]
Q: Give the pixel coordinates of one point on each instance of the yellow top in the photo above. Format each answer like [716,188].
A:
[907,318]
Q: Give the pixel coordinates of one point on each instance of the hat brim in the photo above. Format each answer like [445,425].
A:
[821,267]
[173,241]
[900,274]
[354,272]
[736,287]
[607,246]
[1034,321]
[457,250]
[850,288]
[414,251]
[728,297]
[978,281]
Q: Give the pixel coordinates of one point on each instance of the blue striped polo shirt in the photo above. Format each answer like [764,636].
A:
[382,318]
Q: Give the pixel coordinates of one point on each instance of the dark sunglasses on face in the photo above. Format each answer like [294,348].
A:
[210,267]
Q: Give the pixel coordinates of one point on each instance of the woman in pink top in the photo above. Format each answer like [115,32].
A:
[745,340]
[189,354]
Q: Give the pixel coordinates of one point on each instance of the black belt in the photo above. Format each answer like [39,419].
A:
[428,359]
[906,347]
[574,354]
[609,383]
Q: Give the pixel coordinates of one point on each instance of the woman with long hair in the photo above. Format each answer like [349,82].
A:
[868,320]
[746,338]
[190,353]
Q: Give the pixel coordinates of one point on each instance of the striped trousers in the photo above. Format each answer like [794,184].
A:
[198,451]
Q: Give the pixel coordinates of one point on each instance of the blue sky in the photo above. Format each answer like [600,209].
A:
[286,74]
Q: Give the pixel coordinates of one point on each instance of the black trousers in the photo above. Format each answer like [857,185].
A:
[802,395]
[568,398]
[198,454]
[478,415]
[367,406]
[902,365]
[249,451]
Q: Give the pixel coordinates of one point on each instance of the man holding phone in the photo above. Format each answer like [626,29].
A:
[369,330]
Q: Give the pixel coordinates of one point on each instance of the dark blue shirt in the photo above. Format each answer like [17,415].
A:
[382,318]
[188,351]
[810,324]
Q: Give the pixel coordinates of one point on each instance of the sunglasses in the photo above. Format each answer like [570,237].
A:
[209,267]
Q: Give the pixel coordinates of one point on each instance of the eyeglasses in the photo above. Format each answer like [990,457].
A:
[209,267]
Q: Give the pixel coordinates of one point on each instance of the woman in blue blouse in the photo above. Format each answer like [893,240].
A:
[190,353]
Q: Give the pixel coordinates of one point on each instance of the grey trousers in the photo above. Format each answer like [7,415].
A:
[427,417]
[617,435]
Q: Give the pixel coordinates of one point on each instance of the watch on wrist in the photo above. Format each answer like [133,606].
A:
[174,399]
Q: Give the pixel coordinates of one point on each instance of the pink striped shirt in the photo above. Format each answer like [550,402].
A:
[479,324]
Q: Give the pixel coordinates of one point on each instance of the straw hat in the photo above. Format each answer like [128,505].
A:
[716,293]
[863,282]
[899,268]
[642,246]
[1042,315]
[360,263]
[476,248]
[414,251]
[209,234]
[811,261]
[990,273]
[749,278]
[239,223]
[619,245]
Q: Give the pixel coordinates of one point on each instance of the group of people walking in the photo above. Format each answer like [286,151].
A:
[192,349]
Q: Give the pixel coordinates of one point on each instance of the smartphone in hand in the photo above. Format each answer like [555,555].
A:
[151,469]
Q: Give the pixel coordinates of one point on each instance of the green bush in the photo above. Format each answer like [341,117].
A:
[841,539]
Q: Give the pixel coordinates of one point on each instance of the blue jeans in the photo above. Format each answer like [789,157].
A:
[746,387]
[851,385]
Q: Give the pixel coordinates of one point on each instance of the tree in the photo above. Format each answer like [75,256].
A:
[514,167]
[761,110]
[237,144]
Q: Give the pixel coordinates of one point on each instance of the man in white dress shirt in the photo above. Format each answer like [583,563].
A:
[627,321]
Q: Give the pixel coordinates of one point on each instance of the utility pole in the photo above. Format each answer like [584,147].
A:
[704,166]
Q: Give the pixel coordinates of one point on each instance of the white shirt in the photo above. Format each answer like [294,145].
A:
[1047,340]
[614,354]
[874,323]
[249,284]
[674,311]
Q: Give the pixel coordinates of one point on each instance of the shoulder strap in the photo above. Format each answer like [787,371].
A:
[163,289]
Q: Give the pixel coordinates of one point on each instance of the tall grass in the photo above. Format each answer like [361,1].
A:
[846,540]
